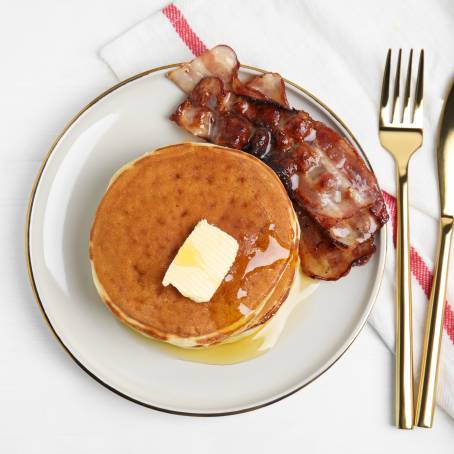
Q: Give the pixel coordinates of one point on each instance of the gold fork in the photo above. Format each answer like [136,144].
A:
[401,134]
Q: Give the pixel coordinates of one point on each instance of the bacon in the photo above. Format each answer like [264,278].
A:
[266,87]
[221,61]
[324,175]
[319,256]
[334,185]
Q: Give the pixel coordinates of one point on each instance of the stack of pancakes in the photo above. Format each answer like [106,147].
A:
[149,209]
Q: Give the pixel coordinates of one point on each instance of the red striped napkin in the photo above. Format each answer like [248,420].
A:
[310,43]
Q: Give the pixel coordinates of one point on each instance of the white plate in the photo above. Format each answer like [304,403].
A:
[120,125]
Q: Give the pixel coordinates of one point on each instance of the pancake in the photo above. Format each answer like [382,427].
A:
[149,209]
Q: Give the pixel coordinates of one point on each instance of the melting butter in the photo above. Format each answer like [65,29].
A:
[189,255]
[202,262]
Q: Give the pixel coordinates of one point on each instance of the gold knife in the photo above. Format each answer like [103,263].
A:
[425,404]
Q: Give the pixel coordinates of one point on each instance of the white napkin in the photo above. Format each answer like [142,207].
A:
[337,51]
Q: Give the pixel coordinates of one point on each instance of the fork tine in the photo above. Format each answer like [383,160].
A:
[418,104]
[396,98]
[384,102]
[406,109]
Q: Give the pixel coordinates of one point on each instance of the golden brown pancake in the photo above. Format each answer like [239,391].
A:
[149,210]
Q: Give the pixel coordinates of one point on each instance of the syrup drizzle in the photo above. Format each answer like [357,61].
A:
[258,252]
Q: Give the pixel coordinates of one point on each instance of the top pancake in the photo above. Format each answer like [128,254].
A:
[149,210]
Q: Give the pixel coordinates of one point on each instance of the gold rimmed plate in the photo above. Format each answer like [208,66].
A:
[126,121]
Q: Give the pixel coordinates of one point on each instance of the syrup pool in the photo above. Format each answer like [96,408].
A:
[256,343]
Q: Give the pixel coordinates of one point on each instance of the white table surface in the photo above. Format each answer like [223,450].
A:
[47,404]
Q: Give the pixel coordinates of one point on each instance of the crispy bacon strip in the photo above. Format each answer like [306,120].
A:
[267,87]
[221,61]
[334,185]
[324,175]
[320,258]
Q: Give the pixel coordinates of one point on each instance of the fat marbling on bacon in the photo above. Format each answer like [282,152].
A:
[336,196]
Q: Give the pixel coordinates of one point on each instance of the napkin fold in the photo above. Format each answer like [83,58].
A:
[336,50]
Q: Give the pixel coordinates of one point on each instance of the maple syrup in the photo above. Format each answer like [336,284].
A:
[257,342]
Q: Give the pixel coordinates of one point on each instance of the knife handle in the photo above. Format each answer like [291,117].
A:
[427,393]
[404,341]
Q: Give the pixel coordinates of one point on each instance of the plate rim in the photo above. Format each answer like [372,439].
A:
[31,277]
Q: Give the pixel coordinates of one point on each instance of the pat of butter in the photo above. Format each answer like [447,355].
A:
[202,262]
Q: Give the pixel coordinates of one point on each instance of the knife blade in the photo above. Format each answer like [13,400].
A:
[445,157]
[427,391]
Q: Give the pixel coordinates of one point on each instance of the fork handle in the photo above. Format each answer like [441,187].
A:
[404,341]
[434,329]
